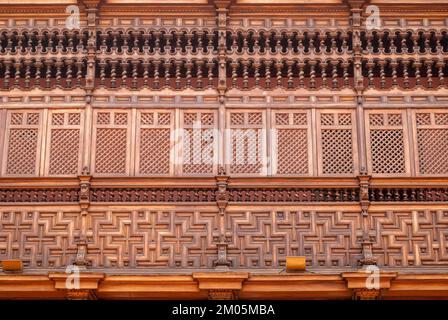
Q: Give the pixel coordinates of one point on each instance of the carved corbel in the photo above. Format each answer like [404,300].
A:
[221,285]
[365,288]
[81,253]
[81,295]
[84,188]
[77,286]
[92,7]
[356,11]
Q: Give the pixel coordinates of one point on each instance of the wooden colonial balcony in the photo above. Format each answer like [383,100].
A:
[184,150]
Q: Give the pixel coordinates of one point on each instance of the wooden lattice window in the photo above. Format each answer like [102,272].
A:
[64,142]
[154,152]
[431,128]
[22,149]
[111,142]
[199,142]
[246,153]
[336,142]
[387,144]
[291,142]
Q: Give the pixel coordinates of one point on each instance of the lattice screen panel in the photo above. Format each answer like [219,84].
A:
[199,143]
[247,143]
[111,142]
[155,143]
[65,140]
[291,143]
[23,142]
[387,142]
[432,141]
[337,147]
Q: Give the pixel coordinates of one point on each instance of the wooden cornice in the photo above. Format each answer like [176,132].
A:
[203,285]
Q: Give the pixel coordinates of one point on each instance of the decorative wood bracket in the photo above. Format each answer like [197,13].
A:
[221,285]
[357,282]
[88,284]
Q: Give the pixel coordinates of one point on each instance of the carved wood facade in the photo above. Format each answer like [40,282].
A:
[225,135]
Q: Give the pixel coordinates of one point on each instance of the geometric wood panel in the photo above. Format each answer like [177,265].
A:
[152,239]
[184,238]
[416,238]
[264,239]
[40,239]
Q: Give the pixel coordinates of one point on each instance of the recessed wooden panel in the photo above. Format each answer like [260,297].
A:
[336,140]
[22,147]
[388,143]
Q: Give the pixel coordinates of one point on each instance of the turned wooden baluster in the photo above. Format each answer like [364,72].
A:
[290,64]
[345,65]
[167,67]
[48,65]
[69,75]
[323,66]
[102,64]
[278,67]
[79,66]
[440,65]
[189,66]
[245,64]
[58,65]
[405,74]
[199,65]
[312,64]
[37,76]
[145,66]
[335,64]
[178,73]
[156,83]
[27,64]
[268,64]
[113,73]
[124,73]
[256,65]
[135,64]
[382,64]
[301,66]
[394,65]
[234,66]
[428,65]
[417,65]
[17,68]
[210,66]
